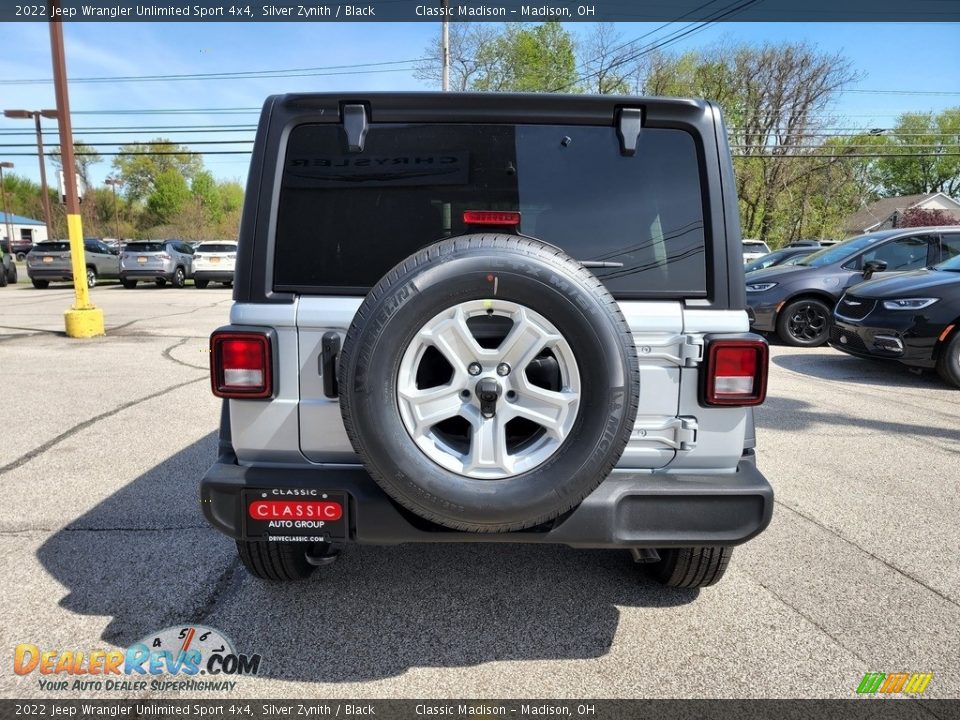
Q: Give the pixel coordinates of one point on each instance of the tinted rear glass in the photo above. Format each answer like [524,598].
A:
[345,219]
[52,246]
[216,247]
[145,247]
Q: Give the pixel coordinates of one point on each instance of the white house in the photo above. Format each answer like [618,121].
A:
[23,229]
[887,212]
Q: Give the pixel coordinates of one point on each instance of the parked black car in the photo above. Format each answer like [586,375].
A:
[777,257]
[797,302]
[8,271]
[912,318]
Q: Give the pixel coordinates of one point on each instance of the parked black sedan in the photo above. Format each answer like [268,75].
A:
[913,318]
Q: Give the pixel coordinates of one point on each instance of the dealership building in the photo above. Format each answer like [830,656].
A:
[22,229]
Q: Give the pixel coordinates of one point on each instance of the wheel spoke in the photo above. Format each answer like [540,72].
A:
[547,408]
[488,446]
[452,337]
[430,406]
[524,342]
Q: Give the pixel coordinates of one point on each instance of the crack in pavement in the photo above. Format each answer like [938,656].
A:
[168,355]
[862,549]
[40,449]
[227,579]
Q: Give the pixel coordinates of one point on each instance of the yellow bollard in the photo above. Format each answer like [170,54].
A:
[83,320]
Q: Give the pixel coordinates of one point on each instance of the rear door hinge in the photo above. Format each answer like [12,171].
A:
[679,433]
[681,350]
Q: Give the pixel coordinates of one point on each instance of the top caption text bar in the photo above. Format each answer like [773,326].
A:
[690,11]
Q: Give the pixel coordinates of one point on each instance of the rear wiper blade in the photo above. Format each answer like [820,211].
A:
[601,264]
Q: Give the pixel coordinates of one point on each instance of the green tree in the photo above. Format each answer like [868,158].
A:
[528,59]
[168,197]
[139,165]
[925,158]
[206,193]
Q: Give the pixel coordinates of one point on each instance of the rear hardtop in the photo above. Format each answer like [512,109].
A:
[257,278]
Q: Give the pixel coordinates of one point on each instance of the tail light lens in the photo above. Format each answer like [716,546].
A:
[164,256]
[240,365]
[495,218]
[736,372]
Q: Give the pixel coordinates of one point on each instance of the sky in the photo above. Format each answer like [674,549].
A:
[921,61]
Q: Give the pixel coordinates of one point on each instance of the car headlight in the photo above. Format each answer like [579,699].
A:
[909,303]
[760,287]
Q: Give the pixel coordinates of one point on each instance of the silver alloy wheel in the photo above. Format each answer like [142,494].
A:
[488,453]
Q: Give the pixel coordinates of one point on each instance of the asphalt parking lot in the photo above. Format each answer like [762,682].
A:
[102,541]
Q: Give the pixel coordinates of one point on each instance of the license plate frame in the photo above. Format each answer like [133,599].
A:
[291,528]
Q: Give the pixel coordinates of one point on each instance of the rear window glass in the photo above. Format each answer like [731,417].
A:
[345,219]
[52,246]
[145,247]
[216,247]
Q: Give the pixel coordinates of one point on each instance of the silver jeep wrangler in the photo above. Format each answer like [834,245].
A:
[489,318]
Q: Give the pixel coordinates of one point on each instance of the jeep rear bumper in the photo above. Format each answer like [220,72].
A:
[628,510]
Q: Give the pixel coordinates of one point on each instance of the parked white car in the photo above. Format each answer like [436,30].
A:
[214,261]
[753,249]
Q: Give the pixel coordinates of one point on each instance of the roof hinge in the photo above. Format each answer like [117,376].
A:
[355,125]
[629,123]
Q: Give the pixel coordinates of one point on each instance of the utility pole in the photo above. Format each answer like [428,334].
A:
[6,208]
[445,44]
[35,115]
[113,182]
[83,319]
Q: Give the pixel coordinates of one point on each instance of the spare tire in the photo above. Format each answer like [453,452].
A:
[489,383]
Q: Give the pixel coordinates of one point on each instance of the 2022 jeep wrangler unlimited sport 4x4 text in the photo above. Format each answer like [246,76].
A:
[489,318]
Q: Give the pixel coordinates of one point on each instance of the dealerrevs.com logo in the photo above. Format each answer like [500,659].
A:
[894,683]
[189,658]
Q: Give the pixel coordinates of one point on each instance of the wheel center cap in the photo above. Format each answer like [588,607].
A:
[488,393]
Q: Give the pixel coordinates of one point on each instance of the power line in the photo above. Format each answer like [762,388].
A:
[236,75]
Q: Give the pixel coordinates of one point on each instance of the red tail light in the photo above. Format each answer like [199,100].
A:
[240,365]
[736,372]
[491,217]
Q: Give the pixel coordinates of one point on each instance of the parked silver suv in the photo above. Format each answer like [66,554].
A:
[162,261]
[489,318]
[50,261]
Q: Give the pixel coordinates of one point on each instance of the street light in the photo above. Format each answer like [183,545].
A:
[35,115]
[113,182]
[6,208]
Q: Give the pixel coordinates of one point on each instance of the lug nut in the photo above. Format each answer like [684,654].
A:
[503,369]
[474,368]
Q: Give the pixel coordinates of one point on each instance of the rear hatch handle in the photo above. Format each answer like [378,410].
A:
[327,364]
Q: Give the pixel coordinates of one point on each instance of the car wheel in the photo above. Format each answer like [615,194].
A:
[200,283]
[948,363]
[804,323]
[21,256]
[479,395]
[696,567]
[179,278]
[276,561]
[40,284]
[4,276]
[160,282]
[128,284]
[12,276]
[91,277]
